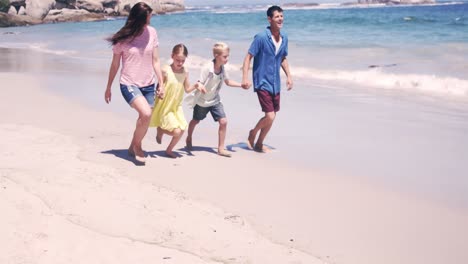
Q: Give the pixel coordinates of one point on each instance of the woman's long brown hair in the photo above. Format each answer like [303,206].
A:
[135,24]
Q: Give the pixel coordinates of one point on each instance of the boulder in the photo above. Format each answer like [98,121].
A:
[90,5]
[38,9]
[12,10]
[71,15]
[7,20]
[22,11]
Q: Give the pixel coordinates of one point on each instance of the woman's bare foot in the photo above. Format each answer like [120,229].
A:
[171,154]
[139,155]
[224,153]
[159,135]
[251,140]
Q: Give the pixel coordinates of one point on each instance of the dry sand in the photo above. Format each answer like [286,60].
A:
[69,194]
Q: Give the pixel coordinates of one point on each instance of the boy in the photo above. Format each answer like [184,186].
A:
[212,77]
[269,50]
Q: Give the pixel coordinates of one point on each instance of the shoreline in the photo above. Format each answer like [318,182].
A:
[74,161]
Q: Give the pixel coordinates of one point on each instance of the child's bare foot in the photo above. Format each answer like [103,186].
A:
[251,140]
[261,148]
[224,153]
[171,154]
[159,135]
[188,144]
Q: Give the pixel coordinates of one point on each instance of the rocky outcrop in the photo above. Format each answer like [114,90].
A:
[29,12]
[71,15]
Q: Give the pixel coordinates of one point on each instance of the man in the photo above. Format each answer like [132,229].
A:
[269,50]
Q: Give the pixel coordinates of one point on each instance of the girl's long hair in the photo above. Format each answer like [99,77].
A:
[135,24]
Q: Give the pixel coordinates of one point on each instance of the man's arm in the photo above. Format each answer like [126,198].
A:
[285,67]
[245,71]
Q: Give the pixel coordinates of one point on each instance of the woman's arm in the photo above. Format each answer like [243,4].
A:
[157,70]
[114,67]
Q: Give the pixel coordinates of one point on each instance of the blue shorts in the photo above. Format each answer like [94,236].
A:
[217,112]
[131,92]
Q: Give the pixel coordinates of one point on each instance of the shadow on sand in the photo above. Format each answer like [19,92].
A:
[123,154]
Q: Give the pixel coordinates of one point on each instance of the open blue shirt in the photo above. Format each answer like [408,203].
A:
[267,64]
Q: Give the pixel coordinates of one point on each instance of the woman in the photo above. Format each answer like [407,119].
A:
[136,45]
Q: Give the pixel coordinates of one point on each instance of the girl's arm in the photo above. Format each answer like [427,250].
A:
[197,86]
[115,65]
[157,70]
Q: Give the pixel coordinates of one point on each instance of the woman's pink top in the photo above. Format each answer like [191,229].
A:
[137,58]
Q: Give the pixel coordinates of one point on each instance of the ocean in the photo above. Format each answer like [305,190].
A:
[380,93]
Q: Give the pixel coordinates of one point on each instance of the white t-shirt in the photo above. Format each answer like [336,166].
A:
[277,44]
[213,83]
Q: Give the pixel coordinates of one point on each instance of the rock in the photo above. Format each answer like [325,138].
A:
[90,5]
[71,15]
[38,9]
[12,10]
[7,20]
[22,11]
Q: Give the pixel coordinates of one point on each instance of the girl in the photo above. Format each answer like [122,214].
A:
[168,115]
[136,45]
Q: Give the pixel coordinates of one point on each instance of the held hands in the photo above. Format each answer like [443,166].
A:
[246,84]
[108,95]
[200,87]
[160,91]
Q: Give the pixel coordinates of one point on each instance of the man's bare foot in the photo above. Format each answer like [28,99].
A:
[131,153]
[188,144]
[261,148]
[224,153]
[159,135]
[171,154]
[251,140]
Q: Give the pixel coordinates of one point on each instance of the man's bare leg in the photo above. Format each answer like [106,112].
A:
[268,123]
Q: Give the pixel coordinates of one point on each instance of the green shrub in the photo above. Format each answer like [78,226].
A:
[4,4]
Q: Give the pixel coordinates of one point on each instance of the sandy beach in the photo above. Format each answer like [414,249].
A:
[70,194]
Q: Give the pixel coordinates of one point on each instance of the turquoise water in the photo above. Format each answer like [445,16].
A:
[409,48]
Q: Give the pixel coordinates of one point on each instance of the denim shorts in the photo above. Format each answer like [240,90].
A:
[131,92]
[217,112]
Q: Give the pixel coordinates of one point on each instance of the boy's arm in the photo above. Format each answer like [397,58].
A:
[285,66]
[232,83]
[245,71]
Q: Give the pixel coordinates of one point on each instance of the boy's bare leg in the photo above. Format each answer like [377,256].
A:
[222,137]
[176,135]
[267,124]
[193,123]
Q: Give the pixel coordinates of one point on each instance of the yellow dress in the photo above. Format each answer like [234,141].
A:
[168,113]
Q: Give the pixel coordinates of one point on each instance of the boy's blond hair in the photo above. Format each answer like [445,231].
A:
[219,47]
